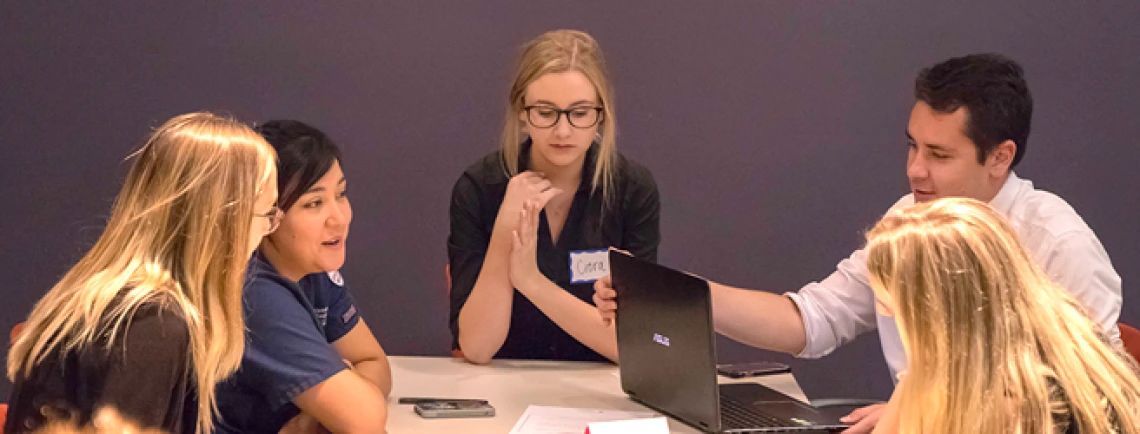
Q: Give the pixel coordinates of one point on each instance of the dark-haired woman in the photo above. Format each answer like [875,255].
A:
[310,359]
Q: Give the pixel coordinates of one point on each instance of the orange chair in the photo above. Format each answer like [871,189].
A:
[447,277]
[15,333]
[1131,337]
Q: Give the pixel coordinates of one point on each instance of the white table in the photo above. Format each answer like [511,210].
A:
[512,385]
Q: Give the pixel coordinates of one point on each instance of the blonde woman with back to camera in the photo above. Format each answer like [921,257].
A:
[150,319]
[994,346]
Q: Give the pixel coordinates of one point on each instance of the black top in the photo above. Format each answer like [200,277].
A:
[1064,421]
[631,223]
[144,374]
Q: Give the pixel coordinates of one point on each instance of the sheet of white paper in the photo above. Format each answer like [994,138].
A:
[657,425]
[539,419]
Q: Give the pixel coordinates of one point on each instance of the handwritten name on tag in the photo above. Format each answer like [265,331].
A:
[589,265]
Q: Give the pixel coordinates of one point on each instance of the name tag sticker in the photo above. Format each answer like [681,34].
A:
[589,265]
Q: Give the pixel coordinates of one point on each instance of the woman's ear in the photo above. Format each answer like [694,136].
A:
[523,123]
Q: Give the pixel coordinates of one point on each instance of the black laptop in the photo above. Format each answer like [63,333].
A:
[668,357]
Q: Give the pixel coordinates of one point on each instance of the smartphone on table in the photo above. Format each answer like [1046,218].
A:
[454,408]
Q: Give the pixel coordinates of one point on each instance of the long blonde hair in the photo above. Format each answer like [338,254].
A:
[993,345]
[178,233]
[561,51]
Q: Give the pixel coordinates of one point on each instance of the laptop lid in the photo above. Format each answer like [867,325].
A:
[666,340]
[667,346]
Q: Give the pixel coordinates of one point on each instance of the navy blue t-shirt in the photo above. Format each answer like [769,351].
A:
[290,328]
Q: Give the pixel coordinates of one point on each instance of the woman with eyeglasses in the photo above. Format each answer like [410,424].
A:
[512,294]
[150,319]
[310,358]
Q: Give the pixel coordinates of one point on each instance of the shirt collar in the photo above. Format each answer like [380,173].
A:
[587,166]
[1010,191]
[259,261]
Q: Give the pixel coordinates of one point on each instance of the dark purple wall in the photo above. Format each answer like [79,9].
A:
[775,129]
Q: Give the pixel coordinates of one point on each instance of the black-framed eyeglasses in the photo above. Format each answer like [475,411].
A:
[544,116]
[275,216]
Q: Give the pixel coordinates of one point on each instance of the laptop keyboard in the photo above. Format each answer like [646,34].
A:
[738,415]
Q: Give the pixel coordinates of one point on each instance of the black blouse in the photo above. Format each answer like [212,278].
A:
[144,375]
[630,222]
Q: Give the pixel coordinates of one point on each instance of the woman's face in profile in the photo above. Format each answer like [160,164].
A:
[562,118]
[312,235]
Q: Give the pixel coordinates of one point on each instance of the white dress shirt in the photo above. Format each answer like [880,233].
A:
[842,306]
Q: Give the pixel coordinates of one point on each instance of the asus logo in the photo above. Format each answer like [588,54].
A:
[660,339]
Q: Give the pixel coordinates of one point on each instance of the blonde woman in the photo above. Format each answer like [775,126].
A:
[558,151]
[994,346]
[150,319]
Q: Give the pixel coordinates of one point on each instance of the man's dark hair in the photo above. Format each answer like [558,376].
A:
[304,155]
[992,88]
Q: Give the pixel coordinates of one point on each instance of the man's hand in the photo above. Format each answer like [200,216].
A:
[863,420]
[604,299]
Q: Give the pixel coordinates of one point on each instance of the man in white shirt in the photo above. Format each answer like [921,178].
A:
[967,131]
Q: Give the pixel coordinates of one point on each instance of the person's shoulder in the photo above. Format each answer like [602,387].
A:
[1044,211]
[481,180]
[487,169]
[635,175]
[266,295]
[161,317]
[262,278]
[162,308]
[903,203]
[334,278]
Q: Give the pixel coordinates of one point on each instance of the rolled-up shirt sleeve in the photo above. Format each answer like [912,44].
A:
[286,353]
[837,309]
[342,313]
[842,306]
[466,247]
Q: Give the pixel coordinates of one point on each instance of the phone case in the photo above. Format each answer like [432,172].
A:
[447,409]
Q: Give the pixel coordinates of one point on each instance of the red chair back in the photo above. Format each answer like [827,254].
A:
[15,333]
[12,335]
[1131,338]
